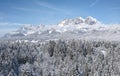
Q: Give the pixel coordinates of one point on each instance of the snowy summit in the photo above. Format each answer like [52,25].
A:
[79,20]
[69,28]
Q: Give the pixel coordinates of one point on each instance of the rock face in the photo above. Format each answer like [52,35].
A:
[74,21]
[27,30]
[88,28]
[60,58]
[91,21]
[78,21]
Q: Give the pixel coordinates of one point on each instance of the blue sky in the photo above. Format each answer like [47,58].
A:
[14,13]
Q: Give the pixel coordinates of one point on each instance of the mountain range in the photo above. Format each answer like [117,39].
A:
[69,28]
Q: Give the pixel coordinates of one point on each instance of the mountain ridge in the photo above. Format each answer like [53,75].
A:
[69,28]
[79,20]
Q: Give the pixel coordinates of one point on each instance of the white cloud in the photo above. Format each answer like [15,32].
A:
[22,8]
[94,3]
[43,4]
[6,27]
[10,24]
[3,31]
[52,7]
[27,9]
[47,5]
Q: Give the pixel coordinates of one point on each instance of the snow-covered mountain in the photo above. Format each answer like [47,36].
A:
[78,21]
[68,28]
[65,49]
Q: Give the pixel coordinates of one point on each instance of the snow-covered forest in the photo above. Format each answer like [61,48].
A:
[60,58]
[59,37]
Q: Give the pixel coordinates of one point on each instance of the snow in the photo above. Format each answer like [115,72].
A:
[26,41]
[50,32]
[69,58]
[63,49]
[79,20]
[104,52]
[90,20]
[34,41]
[78,27]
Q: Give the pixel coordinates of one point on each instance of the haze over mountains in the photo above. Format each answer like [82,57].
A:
[89,28]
